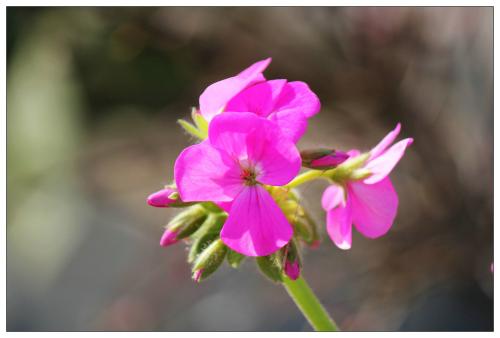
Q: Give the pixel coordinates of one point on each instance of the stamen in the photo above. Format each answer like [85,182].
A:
[248,176]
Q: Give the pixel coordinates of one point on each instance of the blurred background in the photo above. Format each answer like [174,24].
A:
[93,99]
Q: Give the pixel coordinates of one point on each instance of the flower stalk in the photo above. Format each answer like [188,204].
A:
[309,305]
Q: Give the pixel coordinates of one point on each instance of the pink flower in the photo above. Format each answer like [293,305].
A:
[289,104]
[161,199]
[371,203]
[243,151]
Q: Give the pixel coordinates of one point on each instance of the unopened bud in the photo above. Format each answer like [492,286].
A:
[165,198]
[209,260]
[234,258]
[200,244]
[183,225]
[292,270]
[292,260]
[322,158]
[306,229]
[270,266]
[197,275]
[169,237]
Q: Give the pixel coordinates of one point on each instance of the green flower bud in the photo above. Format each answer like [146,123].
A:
[209,260]
[234,258]
[271,267]
[188,221]
[212,224]
[212,207]
[200,244]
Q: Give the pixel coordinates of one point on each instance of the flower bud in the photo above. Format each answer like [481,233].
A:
[197,275]
[292,270]
[169,237]
[322,158]
[234,258]
[200,244]
[163,198]
[209,260]
[292,261]
[270,266]
[183,225]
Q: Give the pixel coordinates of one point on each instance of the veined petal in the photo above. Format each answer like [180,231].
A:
[259,98]
[332,197]
[383,164]
[203,173]
[339,224]
[374,207]
[258,144]
[293,123]
[215,97]
[299,97]
[386,141]
[256,226]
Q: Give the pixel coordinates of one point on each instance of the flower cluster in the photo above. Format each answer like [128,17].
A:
[238,181]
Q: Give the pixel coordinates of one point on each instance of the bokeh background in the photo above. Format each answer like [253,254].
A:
[93,99]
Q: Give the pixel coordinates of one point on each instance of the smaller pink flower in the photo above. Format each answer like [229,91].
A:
[371,203]
[292,269]
[169,237]
[161,199]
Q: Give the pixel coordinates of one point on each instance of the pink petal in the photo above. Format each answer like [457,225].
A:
[259,99]
[386,141]
[383,164]
[256,226]
[353,153]
[374,207]
[339,224]
[203,173]
[332,197]
[293,124]
[160,199]
[226,206]
[299,97]
[215,97]
[256,143]
[255,69]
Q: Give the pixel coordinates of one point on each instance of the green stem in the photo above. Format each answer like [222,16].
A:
[309,305]
[306,177]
